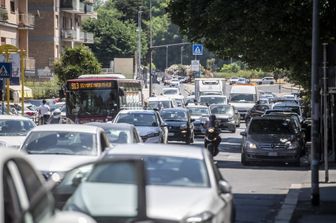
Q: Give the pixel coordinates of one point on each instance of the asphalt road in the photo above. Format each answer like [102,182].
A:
[259,190]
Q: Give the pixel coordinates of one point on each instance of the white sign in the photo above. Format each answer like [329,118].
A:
[195,65]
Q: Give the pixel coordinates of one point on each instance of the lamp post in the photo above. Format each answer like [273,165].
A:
[139,45]
[150,48]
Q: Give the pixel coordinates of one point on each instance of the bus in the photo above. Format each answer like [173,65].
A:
[95,98]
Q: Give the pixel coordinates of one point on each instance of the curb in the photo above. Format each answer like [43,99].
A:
[287,209]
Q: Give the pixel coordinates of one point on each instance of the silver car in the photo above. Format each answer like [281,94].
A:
[183,183]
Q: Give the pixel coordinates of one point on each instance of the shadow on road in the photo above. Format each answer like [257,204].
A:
[232,164]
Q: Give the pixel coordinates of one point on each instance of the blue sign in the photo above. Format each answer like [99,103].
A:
[197,49]
[5,70]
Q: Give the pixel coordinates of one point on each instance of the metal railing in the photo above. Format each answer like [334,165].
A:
[73,5]
[69,34]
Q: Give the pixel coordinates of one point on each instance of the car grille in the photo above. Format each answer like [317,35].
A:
[271,146]
[174,128]
[223,120]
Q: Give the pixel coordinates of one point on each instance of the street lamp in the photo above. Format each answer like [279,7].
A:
[139,46]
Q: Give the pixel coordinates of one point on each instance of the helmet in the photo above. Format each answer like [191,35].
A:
[57,113]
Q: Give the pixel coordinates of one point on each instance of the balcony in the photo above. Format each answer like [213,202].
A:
[29,63]
[73,6]
[26,21]
[86,37]
[69,35]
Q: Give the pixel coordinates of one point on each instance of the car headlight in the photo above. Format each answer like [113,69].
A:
[184,126]
[292,145]
[204,217]
[250,145]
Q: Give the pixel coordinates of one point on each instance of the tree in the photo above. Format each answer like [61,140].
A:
[74,62]
[265,34]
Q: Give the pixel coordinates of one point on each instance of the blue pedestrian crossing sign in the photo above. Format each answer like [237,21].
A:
[5,70]
[197,49]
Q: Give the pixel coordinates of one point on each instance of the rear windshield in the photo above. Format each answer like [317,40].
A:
[271,126]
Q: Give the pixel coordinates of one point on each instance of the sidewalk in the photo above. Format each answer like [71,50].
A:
[326,211]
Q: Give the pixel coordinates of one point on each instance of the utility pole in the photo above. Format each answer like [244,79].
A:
[150,49]
[139,45]
[166,57]
[326,113]
[181,55]
[314,164]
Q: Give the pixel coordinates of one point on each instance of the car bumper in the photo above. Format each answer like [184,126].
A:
[227,125]
[178,135]
[156,139]
[272,155]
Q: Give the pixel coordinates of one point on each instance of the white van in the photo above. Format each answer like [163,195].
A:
[243,97]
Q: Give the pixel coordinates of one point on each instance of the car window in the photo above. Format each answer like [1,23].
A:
[271,126]
[135,136]
[15,127]
[176,115]
[222,110]
[118,136]
[176,171]
[138,119]
[59,142]
[198,111]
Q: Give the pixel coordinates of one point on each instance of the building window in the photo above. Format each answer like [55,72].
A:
[3,4]
[12,6]
[56,22]
[3,40]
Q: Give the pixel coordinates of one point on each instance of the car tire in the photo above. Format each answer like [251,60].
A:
[272,82]
[188,141]
[233,130]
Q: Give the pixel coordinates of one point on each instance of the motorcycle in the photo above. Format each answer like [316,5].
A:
[212,141]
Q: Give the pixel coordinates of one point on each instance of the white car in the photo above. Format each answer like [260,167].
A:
[57,148]
[171,91]
[175,83]
[161,102]
[266,80]
[21,185]
[233,80]
[183,184]
[13,130]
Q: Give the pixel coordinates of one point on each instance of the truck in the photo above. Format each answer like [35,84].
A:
[243,97]
[209,86]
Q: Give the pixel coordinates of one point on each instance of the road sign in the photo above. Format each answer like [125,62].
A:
[197,49]
[5,70]
[195,65]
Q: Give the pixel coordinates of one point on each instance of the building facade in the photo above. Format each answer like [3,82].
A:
[16,25]
[57,26]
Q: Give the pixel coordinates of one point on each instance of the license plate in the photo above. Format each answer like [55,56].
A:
[170,134]
[273,154]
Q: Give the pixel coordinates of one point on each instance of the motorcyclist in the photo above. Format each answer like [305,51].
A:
[212,134]
[55,117]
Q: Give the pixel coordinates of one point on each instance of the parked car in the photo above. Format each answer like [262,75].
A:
[55,149]
[183,183]
[233,80]
[199,115]
[257,110]
[119,133]
[180,127]
[271,139]
[242,81]
[24,195]
[13,130]
[228,118]
[266,80]
[149,124]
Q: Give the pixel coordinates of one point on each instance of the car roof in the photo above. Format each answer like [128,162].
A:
[270,118]
[192,105]
[13,117]
[157,150]
[162,98]
[66,128]
[137,111]
[175,109]
[117,126]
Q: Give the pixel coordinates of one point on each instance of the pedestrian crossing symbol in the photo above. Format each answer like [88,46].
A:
[197,49]
[5,70]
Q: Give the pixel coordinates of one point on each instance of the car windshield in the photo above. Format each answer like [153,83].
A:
[174,115]
[15,127]
[159,104]
[198,111]
[213,100]
[176,171]
[117,136]
[271,126]
[225,110]
[242,97]
[170,92]
[138,119]
[61,142]
[295,109]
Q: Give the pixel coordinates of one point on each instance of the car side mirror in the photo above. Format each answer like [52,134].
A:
[77,179]
[163,124]
[224,187]
[243,134]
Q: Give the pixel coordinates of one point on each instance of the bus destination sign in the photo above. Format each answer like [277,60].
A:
[90,85]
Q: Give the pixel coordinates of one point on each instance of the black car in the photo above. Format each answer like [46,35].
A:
[271,139]
[180,127]
[257,110]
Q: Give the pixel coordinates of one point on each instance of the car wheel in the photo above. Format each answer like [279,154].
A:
[272,82]
[233,130]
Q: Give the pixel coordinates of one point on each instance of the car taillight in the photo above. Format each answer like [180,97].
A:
[30,113]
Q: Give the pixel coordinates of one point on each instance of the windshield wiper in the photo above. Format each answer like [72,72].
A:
[174,120]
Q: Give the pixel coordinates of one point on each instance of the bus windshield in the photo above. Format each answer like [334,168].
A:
[93,102]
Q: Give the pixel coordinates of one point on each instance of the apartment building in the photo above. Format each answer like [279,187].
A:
[57,26]
[16,25]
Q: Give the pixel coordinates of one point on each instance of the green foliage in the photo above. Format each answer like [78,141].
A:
[233,68]
[44,89]
[250,74]
[74,62]
[265,34]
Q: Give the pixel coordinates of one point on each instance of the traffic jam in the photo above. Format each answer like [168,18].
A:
[106,152]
